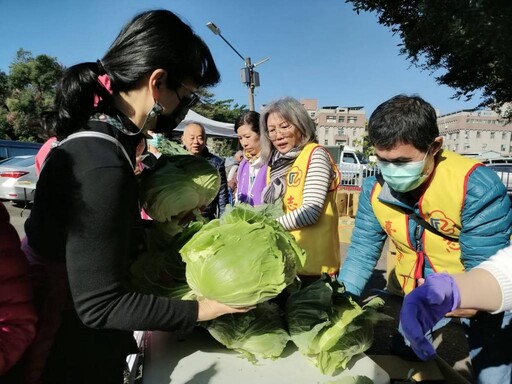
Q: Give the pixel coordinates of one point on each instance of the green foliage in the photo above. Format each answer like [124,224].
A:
[468,40]
[368,149]
[25,92]
[219,110]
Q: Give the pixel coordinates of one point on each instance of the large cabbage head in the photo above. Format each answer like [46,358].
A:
[179,185]
[241,259]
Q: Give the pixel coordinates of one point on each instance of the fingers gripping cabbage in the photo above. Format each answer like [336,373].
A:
[241,259]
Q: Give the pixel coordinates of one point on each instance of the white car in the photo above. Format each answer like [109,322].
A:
[18,179]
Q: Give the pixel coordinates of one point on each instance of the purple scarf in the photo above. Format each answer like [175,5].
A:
[252,195]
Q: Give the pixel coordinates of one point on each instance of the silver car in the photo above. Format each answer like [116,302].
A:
[18,179]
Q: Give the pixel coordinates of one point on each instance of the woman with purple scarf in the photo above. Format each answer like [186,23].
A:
[252,171]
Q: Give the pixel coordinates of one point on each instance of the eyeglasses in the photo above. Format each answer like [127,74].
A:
[283,129]
[192,99]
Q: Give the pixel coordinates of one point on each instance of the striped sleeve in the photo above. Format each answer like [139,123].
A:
[318,178]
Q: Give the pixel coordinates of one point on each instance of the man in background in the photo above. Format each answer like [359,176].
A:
[194,140]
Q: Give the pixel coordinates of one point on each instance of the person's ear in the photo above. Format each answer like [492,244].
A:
[437,145]
[157,80]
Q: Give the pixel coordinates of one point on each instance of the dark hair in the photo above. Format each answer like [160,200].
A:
[403,120]
[151,40]
[251,118]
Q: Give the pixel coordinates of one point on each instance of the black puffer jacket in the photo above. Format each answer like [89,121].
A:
[216,208]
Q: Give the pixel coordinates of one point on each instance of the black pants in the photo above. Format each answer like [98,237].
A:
[81,355]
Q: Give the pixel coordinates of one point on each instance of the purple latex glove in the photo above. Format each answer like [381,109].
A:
[424,307]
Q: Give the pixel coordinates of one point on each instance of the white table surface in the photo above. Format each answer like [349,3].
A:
[197,358]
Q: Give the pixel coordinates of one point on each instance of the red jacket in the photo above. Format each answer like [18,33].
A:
[17,314]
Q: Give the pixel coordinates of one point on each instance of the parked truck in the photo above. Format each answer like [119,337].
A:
[352,165]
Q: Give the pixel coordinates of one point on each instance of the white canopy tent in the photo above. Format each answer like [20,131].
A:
[213,128]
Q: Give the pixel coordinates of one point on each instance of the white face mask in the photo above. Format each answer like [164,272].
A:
[403,177]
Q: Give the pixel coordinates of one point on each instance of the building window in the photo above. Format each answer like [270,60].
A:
[503,135]
[354,132]
[326,130]
[351,119]
[502,147]
[313,114]
[331,119]
[466,146]
[340,131]
[326,142]
[477,134]
[341,119]
[492,134]
[484,146]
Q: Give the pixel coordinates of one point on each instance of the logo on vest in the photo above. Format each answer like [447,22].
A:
[442,223]
[294,177]
[445,225]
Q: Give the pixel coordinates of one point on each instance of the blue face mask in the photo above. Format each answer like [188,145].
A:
[403,177]
[155,141]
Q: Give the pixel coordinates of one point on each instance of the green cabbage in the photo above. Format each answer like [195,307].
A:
[161,271]
[179,185]
[329,327]
[244,258]
[259,333]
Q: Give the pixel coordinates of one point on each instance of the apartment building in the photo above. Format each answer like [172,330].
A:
[337,125]
[473,132]
[468,132]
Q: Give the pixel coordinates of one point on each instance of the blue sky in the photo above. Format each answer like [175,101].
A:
[318,49]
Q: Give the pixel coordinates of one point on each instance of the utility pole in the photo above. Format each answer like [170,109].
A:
[248,75]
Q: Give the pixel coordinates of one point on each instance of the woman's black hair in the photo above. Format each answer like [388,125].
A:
[152,40]
[250,118]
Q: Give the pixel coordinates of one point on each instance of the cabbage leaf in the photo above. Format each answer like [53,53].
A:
[328,326]
[259,333]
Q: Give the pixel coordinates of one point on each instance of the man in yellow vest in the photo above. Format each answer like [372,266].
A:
[442,211]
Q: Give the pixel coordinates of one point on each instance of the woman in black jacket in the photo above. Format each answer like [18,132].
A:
[86,213]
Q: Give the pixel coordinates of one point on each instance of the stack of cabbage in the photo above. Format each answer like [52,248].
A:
[176,190]
[245,258]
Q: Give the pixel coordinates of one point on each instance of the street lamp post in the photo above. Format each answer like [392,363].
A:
[248,75]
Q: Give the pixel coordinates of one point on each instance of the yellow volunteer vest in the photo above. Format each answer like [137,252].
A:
[320,240]
[441,206]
